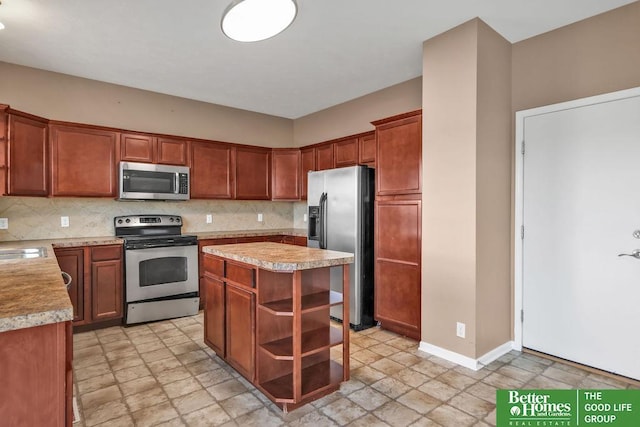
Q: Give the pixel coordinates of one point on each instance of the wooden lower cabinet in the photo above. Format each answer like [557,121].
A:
[71,261]
[96,290]
[214,315]
[35,367]
[106,289]
[203,289]
[240,325]
[398,262]
[279,334]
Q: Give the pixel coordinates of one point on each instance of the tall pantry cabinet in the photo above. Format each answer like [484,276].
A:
[398,223]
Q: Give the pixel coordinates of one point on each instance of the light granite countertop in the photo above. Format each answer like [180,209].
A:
[279,256]
[32,292]
[298,232]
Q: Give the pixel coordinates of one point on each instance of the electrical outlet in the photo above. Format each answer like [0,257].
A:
[209,218]
[259,217]
[460,329]
[4,223]
[64,221]
[305,217]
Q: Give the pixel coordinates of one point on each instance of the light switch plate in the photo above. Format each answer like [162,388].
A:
[4,223]
[64,221]
[305,217]
[209,218]
[259,217]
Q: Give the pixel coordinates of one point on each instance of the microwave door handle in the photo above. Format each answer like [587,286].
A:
[176,183]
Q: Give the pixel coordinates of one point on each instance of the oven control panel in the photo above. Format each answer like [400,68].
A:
[147,221]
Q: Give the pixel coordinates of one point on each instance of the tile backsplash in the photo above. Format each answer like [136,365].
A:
[32,218]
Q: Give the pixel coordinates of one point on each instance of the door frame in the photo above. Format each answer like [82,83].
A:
[519,191]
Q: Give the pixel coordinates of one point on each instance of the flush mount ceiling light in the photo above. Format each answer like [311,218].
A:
[255,20]
[1,24]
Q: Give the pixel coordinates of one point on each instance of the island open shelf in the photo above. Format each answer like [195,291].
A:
[280,313]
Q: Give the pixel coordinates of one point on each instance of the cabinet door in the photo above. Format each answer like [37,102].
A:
[397,271]
[33,371]
[214,318]
[253,174]
[286,169]
[106,289]
[84,161]
[240,330]
[4,118]
[202,267]
[324,157]
[71,261]
[212,170]
[137,147]
[367,150]
[308,157]
[172,151]
[399,154]
[346,152]
[27,157]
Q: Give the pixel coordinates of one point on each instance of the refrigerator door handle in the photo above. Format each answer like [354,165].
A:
[323,221]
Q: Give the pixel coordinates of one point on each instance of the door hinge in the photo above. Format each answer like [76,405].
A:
[522,315]
[522,232]
[522,147]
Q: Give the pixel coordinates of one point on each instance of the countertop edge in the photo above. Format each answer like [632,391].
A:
[283,266]
[32,320]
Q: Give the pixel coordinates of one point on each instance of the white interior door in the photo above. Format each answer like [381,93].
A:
[581,206]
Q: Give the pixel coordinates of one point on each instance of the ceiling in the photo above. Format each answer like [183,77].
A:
[335,51]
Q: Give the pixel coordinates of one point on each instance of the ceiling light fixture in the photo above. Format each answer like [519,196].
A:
[255,20]
[1,24]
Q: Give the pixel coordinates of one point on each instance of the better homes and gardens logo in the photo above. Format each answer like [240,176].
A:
[546,408]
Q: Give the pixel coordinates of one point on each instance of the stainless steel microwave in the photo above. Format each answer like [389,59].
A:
[145,181]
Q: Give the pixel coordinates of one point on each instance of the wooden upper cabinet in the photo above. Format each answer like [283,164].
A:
[139,147]
[324,157]
[346,152]
[285,170]
[28,156]
[212,170]
[253,173]
[172,151]
[399,154]
[367,149]
[84,161]
[3,148]
[308,160]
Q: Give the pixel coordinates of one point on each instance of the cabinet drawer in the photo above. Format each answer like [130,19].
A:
[104,253]
[213,265]
[241,275]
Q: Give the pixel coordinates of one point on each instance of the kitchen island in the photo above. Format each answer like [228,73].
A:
[35,338]
[267,315]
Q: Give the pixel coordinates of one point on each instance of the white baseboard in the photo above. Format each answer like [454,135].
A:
[467,362]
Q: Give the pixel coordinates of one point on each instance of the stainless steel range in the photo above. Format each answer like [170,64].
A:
[161,265]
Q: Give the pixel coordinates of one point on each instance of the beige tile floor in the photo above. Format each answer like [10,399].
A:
[162,373]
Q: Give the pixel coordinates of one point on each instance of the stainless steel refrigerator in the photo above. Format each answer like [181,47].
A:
[340,210]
